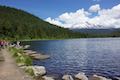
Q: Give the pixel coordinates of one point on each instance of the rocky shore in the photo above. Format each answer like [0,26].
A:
[35,55]
[40,72]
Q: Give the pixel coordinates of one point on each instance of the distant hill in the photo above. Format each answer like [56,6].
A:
[110,32]
[19,24]
[96,31]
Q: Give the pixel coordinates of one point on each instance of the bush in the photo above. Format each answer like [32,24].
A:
[20,57]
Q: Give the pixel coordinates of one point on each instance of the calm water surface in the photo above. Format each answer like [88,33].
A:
[93,56]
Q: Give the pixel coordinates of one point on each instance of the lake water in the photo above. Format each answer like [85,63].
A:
[93,56]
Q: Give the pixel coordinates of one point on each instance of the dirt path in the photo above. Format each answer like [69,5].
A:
[9,70]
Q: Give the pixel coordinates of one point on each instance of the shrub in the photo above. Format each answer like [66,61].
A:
[20,57]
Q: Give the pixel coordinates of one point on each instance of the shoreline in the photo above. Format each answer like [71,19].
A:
[80,76]
[65,39]
[24,59]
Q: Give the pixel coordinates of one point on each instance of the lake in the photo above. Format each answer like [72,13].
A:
[93,56]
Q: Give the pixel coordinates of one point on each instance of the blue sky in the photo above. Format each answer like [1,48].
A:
[54,8]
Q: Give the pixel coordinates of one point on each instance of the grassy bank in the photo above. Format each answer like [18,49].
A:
[22,59]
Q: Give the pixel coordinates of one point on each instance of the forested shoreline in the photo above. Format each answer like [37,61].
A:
[18,24]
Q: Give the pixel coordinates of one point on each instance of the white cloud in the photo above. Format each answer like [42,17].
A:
[54,21]
[105,18]
[94,8]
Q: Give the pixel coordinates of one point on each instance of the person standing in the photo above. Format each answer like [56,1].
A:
[1,43]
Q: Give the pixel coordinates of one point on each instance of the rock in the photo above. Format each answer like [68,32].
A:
[21,64]
[30,51]
[96,77]
[47,78]
[26,46]
[39,56]
[39,70]
[36,55]
[24,67]
[81,76]
[67,77]
[28,54]
[12,45]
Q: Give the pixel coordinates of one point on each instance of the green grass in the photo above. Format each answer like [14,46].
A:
[20,57]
